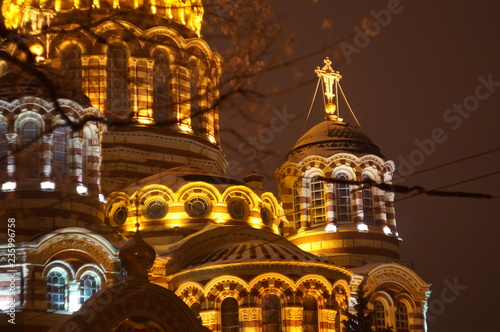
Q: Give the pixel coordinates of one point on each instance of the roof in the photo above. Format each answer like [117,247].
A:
[330,137]
[217,245]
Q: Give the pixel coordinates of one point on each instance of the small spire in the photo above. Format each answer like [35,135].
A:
[330,79]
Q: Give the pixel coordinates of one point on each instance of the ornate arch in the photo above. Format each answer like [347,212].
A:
[75,239]
[197,188]
[389,275]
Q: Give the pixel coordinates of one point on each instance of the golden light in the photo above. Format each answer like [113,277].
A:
[331,108]
[144,116]
[185,128]
[37,49]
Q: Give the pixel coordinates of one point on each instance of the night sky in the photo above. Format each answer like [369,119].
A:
[430,73]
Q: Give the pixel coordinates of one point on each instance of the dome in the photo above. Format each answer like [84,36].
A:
[221,245]
[36,13]
[254,250]
[330,137]
[137,257]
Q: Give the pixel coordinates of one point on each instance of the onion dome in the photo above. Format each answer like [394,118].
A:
[330,137]
[137,258]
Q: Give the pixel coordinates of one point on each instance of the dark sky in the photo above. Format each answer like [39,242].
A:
[404,84]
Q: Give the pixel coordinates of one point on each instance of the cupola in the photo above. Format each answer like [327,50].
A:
[329,193]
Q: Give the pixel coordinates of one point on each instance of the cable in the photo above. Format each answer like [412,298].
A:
[310,108]
[437,191]
[348,105]
[455,161]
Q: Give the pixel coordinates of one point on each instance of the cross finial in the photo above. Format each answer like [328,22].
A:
[330,79]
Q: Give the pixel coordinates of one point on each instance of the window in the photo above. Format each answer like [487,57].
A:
[237,209]
[271,313]
[266,216]
[343,199]
[210,112]
[3,151]
[196,113]
[60,153]
[71,63]
[317,201]
[161,86]
[296,203]
[402,324]
[310,320]
[379,315]
[117,99]
[120,215]
[156,209]
[229,315]
[197,207]
[56,290]
[88,287]
[29,157]
[367,195]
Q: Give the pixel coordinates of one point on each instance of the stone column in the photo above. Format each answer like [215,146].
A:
[390,212]
[329,201]
[293,319]
[357,196]
[48,141]
[250,319]
[210,319]
[11,160]
[76,160]
[327,320]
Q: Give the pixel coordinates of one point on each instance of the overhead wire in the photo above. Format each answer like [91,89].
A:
[455,161]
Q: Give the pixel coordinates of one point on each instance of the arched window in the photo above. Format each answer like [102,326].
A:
[161,87]
[379,315]
[318,214]
[60,153]
[71,63]
[271,313]
[117,94]
[29,156]
[56,290]
[343,198]
[196,114]
[310,313]
[296,203]
[210,112]
[88,286]
[3,151]
[368,209]
[229,315]
[402,324]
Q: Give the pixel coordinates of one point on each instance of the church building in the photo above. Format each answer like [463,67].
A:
[117,213]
